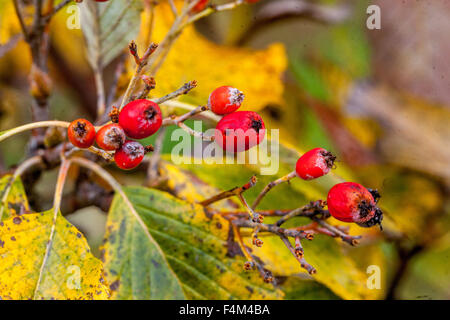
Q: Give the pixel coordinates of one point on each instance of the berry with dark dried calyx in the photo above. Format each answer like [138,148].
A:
[268,277]
[114,114]
[248,265]
[110,137]
[81,133]
[351,202]
[130,155]
[140,118]
[314,164]
[224,100]
[240,131]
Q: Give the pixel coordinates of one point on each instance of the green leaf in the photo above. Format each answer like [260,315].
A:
[108,28]
[16,202]
[190,251]
[136,266]
[70,271]
[300,289]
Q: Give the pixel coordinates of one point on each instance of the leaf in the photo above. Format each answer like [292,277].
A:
[16,202]
[193,245]
[187,186]
[299,289]
[71,271]
[329,256]
[136,266]
[108,28]
[427,275]
[193,57]
[9,24]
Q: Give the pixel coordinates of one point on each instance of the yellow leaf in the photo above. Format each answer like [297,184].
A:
[16,202]
[192,57]
[9,24]
[71,271]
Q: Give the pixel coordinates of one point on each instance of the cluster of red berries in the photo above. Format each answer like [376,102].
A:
[237,131]
[347,201]
[137,120]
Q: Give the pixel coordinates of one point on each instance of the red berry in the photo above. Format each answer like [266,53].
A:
[351,202]
[200,6]
[110,137]
[81,133]
[240,131]
[314,164]
[129,155]
[224,100]
[140,118]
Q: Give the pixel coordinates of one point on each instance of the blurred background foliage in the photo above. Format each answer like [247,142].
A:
[380,99]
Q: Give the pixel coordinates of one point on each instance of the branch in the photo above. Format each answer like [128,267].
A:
[140,64]
[310,210]
[352,240]
[271,185]
[305,265]
[20,18]
[293,233]
[188,86]
[34,125]
[251,260]
[61,5]
[230,193]
[210,10]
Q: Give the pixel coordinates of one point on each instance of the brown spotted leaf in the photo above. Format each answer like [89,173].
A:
[70,272]
[13,199]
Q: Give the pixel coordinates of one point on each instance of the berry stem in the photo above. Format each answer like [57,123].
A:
[149,84]
[210,10]
[251,261]
[174,120]
[154,160]
[305,265]
[352,240]
[179,121]
[34,125]
[246,223]
[236,191]
[194,133]
[271,185]
[188,86]
[309,210]
[108,156]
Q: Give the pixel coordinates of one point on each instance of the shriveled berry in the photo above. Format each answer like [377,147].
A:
[130,155]
[224,100]
[201,5]
[140,118]
[351,202]
[314,164]
[110,137]
[240,131]
[81,133]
